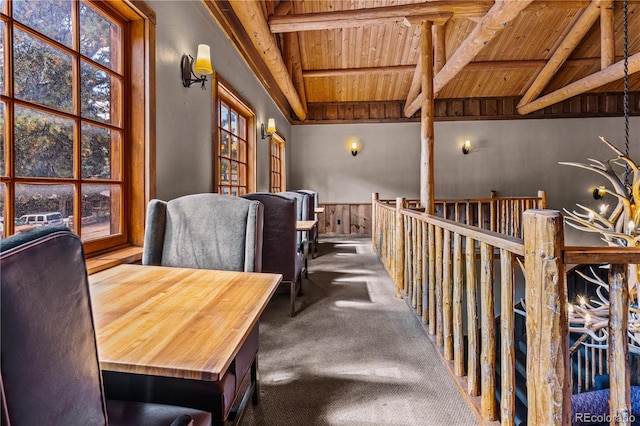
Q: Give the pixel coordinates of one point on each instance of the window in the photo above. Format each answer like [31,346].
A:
[234,143]
[276,164]
[65,134]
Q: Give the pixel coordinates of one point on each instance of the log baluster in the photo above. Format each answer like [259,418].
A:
[507,327]
[432,280]
[447,288]
[473,352]
[458,285]
[488,350]
[439,313]
[399,248]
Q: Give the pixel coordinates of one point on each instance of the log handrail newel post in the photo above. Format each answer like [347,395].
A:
[548,380]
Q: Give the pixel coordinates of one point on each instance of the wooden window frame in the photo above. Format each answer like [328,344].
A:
[138,149]
[277,140]
[223,90]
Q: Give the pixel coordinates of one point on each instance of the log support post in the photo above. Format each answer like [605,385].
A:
[426,120]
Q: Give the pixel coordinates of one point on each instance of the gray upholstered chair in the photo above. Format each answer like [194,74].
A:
[50,373]
[279,251]
[313,235]
[204,231]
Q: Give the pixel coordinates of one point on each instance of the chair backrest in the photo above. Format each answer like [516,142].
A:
[279,249]
[316,201]
[50,369]
[302,209]
[311,204]
[313,196]
[204,231]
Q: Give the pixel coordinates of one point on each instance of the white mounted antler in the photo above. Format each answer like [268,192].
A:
[618,228]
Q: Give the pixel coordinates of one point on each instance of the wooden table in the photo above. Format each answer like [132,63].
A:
[306,226]
[143,313]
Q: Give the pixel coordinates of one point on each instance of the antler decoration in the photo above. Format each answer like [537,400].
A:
[618,228]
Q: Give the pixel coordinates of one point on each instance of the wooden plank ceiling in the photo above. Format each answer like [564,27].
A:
[312,53]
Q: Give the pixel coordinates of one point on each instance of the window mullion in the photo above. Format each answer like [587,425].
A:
[77,134]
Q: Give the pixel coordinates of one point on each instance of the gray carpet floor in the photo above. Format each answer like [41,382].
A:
[354,354]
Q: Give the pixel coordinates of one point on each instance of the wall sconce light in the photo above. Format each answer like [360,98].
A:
[354,148]
[599,192]
[202,66]
[466,147]
[271,128]
[353,144]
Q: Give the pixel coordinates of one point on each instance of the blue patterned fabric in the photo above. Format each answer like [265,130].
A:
[592,408]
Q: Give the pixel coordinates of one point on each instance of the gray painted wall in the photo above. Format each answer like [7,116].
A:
[183,130]
[511,157]
[515,158]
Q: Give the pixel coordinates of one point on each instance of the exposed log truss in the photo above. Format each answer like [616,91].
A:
[326,53]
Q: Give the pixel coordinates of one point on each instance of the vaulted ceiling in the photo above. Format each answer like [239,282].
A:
[314,54]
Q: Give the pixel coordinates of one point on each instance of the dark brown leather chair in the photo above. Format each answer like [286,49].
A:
[279,248]
[50,373]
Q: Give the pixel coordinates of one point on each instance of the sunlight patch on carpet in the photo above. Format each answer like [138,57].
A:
[350,304]
[281,376]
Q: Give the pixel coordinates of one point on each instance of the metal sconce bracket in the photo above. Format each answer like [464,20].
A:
[186,64]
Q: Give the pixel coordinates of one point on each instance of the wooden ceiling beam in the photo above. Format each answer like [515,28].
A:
[607,36]
[608,75]
[439,47]
[291,55]
[563,4]
[342,72]
[416,83]
[417,69]
[532,64]
[234,31]
[437,11]
[574,35]
[440,18]
[496,19]
[253,20]
[283,8]
[291,50]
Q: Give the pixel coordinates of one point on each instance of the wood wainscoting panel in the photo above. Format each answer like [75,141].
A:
[360,217]
[345,219]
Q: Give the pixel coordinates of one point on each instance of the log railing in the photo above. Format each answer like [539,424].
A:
[449,273]
[499,214]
